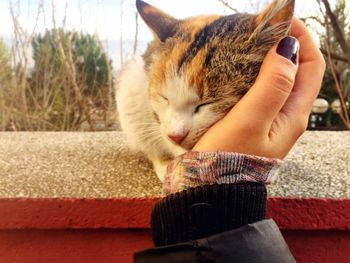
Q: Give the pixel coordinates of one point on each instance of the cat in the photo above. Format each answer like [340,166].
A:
[192,73]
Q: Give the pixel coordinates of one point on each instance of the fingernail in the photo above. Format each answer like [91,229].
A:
[288,47]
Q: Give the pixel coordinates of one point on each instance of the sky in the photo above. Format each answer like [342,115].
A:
[104,16]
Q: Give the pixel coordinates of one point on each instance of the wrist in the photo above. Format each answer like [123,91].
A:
[194,169]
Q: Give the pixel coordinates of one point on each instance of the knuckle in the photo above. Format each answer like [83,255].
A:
[301,127]
[282,81]
[323,64]
[251,127]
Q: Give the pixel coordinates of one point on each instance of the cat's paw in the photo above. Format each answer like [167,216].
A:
[160,167]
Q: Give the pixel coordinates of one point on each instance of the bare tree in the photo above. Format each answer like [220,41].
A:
[344,114]
[338,32]
[257,5]
[226,3]
[136,33]
[23,41]
[253,6]
[54,93]
[6,83]
[70,68]
[121,39]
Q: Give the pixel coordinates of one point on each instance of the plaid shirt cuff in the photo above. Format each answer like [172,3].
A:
[194,169]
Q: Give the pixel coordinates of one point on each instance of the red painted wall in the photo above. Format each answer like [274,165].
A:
[319,246]
[111,230]
[58,213]
[72,246]
[107,246]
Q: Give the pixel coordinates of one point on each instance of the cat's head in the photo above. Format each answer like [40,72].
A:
[200,67]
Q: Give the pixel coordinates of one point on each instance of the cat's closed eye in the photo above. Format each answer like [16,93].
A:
[200,106]
[163,98]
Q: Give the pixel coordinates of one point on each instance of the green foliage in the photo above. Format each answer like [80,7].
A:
[53,84]
[6,82]
[4,51]
[5,61]
[90,60]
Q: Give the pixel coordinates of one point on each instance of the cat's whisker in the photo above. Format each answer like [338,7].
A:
[147,138]
[150,133]
[146,126]
[143,129]
[148,123]
[143,126]
[150,130]
[150,139]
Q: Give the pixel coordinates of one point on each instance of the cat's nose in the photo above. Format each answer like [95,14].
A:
[177,138]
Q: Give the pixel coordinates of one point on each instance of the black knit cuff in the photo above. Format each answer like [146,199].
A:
[207,210]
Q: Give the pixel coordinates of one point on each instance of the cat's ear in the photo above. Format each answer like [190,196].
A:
[162,24]
[279,12]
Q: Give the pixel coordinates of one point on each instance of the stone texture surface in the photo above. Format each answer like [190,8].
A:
[318,166]
[99,165]
[72,165]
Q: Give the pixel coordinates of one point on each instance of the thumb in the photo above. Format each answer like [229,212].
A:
[274,83]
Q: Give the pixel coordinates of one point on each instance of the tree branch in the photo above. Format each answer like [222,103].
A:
[334,55]
[225,3]
[344,112]
[136,33]
[338,33]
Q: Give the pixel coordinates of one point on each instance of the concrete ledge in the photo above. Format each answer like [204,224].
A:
[99,165]
[76,165]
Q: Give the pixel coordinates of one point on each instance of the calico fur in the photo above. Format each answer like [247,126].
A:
[193,72]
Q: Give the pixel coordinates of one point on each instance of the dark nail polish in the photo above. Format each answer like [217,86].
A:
[288,47]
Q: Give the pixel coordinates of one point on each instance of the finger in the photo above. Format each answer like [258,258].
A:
[272,88]
[309,77]
[308,48]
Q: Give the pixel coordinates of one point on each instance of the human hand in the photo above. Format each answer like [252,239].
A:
[273,114]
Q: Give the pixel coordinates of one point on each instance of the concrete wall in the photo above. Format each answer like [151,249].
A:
[83,197]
